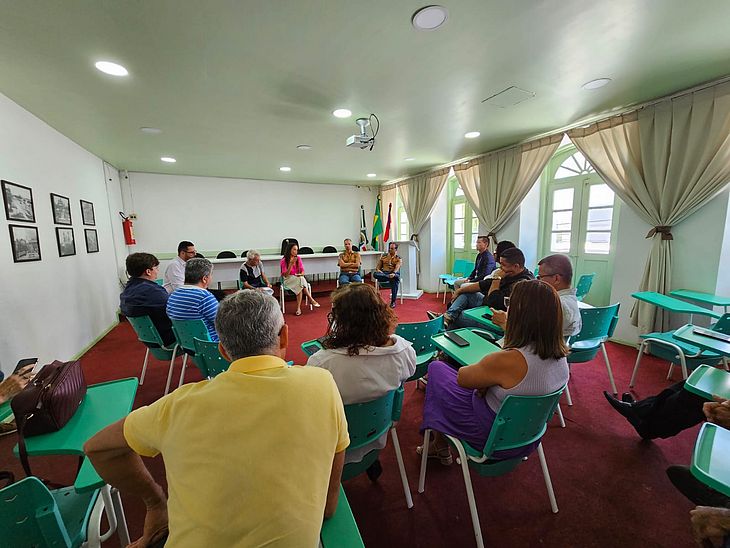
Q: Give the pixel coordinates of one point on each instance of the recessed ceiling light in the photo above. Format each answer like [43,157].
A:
[342,113]
[595,84]
[372,175]
[151,130]
[285,168]
[429,18]
[472,135]
[168,159]
[408,159]
[114,69]
[304,147]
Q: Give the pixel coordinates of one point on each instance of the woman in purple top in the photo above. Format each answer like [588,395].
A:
[292,276]
[464,403]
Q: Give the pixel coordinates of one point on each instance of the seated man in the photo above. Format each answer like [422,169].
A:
[490,292]
[349,263]
[252,273]
[193,301]
[175,271]
[484,264]
[388,270]
[142,296]
[555,270]
[253,457]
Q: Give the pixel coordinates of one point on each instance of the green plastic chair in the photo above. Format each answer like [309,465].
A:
[186,331]
[308,347]
[208,358]
[521,420]
[366,422]
[340,531]
[149,336]
[461,268]
[386,285]
[707,381]
[31,515]
[710,462]
[666,347]
[160,281]
[584,285]
[598,325]
[419,334]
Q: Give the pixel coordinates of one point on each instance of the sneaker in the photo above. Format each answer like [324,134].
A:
[7,428]
[374,471]
[433,315]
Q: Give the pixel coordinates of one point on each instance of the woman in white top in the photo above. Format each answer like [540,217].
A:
[364,356]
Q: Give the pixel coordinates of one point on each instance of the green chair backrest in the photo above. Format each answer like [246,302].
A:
[419,334]
[209,358]
[710,462]
[723,324]
[368,421]
[462,267]
[598,323]
[160,281]
[520,421]
[146,330]
[188,330]
[240,284]
[29,516]
[584,285]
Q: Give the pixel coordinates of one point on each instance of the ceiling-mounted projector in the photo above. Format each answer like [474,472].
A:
[364,140]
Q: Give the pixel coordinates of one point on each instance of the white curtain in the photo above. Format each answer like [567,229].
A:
[496,183]
[665,161]
[388,197]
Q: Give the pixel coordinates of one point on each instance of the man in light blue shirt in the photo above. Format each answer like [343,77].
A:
[193,301]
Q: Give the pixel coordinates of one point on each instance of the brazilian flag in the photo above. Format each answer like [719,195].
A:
[377,227]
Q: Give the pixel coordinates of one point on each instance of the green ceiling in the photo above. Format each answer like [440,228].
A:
[236,85]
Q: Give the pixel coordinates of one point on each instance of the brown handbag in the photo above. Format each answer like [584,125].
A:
[48,402]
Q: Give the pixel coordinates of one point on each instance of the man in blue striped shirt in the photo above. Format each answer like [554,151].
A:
[193,301]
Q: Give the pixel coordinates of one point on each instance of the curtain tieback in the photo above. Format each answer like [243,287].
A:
[665,231]
[414,239]
[493,236]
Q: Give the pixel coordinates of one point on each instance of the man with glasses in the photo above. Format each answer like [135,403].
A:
[175,271]
[555,270]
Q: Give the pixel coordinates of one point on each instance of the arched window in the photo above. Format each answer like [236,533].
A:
[573,165]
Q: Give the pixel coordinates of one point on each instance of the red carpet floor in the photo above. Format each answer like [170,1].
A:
[610,485]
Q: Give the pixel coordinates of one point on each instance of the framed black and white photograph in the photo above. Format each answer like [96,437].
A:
[25,244]
[18,202]
[92,242]
[65,240]
[61,209]
[87,213]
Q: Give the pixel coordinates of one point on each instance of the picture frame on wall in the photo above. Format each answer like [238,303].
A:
[61,206]
[18,202]
[65,241]
[92,240]
[87,213]
[25,243]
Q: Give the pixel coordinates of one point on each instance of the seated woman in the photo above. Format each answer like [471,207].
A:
[364,356]
[464,404]
[292,275]
[252,273]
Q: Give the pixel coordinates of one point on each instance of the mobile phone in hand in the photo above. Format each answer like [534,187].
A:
[25,362]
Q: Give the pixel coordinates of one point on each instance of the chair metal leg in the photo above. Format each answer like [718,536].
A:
[683,363]
[121,518]
[670,372]
[546,475]
[724,363]
[424,461]
[169,374]
[469,492]
[568,399]
[401,468]
[608,368]
[94,538]
[182,373]
[144,367]
[560,416]
[636,365]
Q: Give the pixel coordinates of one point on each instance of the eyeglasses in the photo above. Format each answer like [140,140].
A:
[541,276]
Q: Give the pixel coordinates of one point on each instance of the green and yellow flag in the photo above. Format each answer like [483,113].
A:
[377,227]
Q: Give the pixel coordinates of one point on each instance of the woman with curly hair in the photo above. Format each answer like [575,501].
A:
[365,357]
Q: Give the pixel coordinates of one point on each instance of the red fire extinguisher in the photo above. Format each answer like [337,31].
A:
[128,228]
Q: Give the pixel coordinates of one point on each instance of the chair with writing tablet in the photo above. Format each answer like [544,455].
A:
[149,336]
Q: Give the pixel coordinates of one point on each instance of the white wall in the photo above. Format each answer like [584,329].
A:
[220,213]
[55,307]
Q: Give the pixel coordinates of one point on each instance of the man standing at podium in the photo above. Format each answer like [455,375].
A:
[388,270]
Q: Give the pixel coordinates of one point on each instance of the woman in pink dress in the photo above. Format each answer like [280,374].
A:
[292,276]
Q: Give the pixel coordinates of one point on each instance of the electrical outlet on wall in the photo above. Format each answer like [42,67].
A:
[133,216]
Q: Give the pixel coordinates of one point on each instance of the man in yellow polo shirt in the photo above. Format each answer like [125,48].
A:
[253,457]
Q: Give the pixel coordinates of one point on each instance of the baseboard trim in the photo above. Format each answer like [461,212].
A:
[92,343]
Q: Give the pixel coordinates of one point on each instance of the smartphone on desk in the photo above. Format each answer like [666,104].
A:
[25,362]
[457,339]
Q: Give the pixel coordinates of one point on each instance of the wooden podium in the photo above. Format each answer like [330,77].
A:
[408,279]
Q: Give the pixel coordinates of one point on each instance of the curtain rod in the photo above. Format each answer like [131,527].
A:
[585,121]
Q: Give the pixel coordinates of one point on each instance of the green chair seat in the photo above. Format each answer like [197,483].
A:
[710,462]
[340,531]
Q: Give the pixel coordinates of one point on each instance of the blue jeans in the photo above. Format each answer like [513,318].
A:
[465,301]
[394,282]
[349,277]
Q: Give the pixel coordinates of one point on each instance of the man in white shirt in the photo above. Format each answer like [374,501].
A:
[175,271]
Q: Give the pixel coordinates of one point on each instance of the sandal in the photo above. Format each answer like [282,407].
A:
[443,454]
[316,305]
[298,313]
